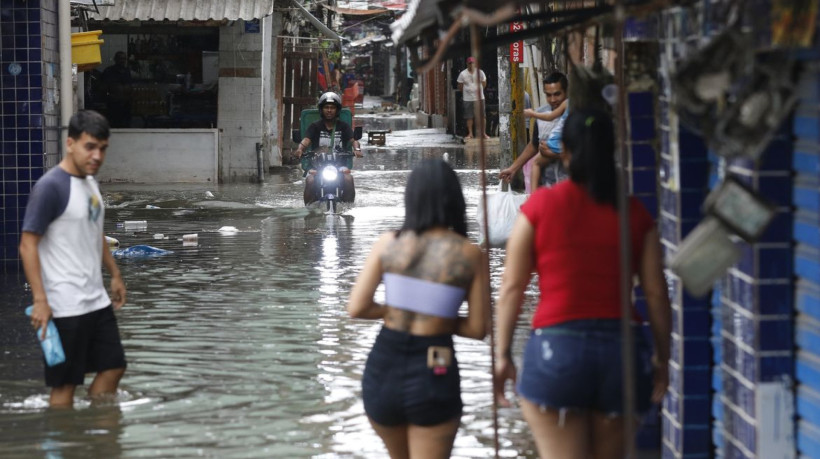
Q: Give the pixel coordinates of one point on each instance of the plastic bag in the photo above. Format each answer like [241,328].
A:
[51,344]
[502,208]
[140,251]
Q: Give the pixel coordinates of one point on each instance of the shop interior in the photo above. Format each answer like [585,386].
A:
[156,77]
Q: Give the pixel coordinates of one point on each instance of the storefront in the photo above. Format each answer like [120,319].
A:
[166,76]
[189,85]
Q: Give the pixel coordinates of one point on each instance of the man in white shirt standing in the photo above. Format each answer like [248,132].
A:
[470,94]
[63,250]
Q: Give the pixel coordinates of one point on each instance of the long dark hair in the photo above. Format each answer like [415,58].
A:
[590,137]
[433,198]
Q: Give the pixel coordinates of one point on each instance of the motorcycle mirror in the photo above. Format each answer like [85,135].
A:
[357,133]
[296,135]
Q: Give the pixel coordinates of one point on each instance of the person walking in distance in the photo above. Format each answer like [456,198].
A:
[471,94]
[411,384]
[63,250]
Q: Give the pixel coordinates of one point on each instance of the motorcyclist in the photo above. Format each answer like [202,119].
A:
[329,132]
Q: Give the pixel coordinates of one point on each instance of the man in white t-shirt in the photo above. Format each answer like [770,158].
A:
[63,250]
[471,94]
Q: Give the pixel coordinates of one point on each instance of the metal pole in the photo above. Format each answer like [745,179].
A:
[66,91]
[475,42]
[627,344]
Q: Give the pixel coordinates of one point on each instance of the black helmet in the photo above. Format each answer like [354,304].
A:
[330,98]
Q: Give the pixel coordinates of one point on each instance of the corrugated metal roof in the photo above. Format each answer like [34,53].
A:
[184,10]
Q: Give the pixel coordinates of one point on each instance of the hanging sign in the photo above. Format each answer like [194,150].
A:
[516,47]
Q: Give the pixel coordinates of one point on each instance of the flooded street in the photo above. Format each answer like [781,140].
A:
[241,345]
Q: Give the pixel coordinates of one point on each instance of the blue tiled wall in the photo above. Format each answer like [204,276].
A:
[27,110]
[806,190]
[684,174]
[753,308]
[643,183]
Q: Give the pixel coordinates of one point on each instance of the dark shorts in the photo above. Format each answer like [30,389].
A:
[469,109]
[91,343]
[577,365]
[398,388]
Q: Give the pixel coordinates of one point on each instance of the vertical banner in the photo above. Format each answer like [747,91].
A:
[516,47]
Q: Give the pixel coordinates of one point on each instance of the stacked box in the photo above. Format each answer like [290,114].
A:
[806,233]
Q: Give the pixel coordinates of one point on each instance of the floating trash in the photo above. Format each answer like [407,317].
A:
[135,225]
[112,242]
[159,236]
[190,239]
[228,229]
[140,251]
[208,194]
[150,206]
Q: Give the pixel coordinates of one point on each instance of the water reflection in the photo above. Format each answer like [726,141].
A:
[240,346]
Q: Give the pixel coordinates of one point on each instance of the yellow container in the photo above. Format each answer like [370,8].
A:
[85,49]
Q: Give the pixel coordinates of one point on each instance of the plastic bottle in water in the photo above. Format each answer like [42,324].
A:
[52,347]
[136,225]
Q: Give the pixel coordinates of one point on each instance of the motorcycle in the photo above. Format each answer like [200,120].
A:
[327,163]
[329,175]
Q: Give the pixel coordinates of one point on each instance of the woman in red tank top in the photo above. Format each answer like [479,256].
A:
[570,383]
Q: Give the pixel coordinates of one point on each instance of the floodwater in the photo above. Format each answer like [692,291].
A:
[241,346]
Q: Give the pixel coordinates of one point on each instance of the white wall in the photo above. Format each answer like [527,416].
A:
[274,132]
[240,118]
[161,156]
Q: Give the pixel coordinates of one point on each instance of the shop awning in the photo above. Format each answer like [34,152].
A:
[183,10]
[356,12]
[91,2]
[316,23]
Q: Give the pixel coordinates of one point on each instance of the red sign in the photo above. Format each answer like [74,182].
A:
[516,47]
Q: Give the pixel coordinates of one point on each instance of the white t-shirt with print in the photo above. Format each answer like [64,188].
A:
[468,80]
[68,212]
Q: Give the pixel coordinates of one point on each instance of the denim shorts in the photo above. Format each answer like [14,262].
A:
[399,388]
[577,365]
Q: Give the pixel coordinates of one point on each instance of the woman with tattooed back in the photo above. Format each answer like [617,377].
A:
[410,385]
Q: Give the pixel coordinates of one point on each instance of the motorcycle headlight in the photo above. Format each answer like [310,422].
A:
[330,173]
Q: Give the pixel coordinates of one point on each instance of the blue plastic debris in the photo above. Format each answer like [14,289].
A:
[140,251]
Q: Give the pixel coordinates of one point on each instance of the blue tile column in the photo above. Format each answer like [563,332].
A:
[754,307]
[686,413]
[28,80]
[684,173]
[806,200]
[643,183]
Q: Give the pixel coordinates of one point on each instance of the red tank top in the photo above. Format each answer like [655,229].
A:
[577,254]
